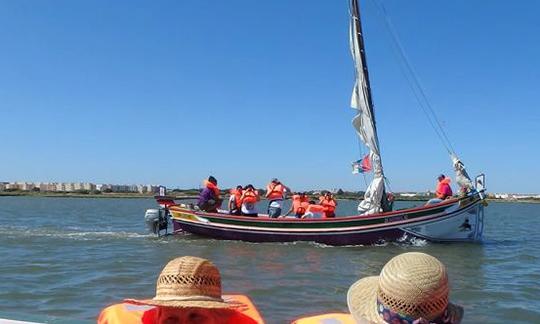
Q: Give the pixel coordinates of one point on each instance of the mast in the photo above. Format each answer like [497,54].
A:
[364,122]
[355,11]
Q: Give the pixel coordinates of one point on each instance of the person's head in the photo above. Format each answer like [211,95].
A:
[304,194]
[275,180]
[312,202]
[212,180]
[249,186]
[239,187]
[328,194]
[441,177]
[412,287]
[188,288]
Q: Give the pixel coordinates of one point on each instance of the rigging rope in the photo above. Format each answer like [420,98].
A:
[414,82]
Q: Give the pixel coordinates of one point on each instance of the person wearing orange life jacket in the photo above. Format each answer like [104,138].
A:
[299,204]
[178,300]
[209,198]
[443,190]
[250,197]
[314,210]
[235,201]
[275,193]
[329,203]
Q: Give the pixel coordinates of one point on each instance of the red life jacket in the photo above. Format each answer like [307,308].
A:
[330,206]
[299,204]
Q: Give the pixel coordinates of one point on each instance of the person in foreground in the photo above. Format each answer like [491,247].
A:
[412,288]
[188,291]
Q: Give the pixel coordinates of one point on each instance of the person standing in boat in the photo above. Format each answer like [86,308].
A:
[250,197]
[443,190]
[275,193]
[235,201]
[209,198]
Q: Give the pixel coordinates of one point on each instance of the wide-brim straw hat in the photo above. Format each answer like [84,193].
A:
[187,282]
[413,285]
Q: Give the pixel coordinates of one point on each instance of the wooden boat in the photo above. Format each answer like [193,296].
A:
[457,219]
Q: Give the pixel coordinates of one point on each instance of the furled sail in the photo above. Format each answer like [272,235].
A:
[364,121]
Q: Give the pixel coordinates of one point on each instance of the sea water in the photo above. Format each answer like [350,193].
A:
[63,259]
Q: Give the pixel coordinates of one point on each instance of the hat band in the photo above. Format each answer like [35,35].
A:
[187,298]
[390,316]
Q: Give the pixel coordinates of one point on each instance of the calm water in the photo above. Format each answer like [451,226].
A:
[63,259]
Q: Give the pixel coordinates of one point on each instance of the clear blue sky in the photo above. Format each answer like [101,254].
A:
[172,91]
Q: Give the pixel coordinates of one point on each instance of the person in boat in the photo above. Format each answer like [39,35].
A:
[188,291]
[235,201]
[299,203]
[314,210]
[393,296]
[329,203]
[209,198]
[275,193]
[250,197]
[443,190]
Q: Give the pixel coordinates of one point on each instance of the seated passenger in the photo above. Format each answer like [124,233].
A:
[314,210]
[250,197]
[209,198]
[188,291]
[443,190]
[299,204]
[235,201]
[328,201]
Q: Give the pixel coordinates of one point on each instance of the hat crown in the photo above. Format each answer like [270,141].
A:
[188,277]
[414,284]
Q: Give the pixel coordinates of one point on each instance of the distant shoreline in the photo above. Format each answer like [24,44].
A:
[190,195]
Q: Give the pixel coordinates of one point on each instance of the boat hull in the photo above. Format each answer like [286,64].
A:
[454,220]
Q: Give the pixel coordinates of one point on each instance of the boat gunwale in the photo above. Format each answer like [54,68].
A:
[445,203]
[330,231]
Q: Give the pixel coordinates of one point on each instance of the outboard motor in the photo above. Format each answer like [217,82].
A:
[157,220]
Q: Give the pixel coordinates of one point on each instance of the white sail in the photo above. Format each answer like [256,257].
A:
[364,121]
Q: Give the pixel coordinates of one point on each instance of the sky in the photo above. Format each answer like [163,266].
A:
[169,92]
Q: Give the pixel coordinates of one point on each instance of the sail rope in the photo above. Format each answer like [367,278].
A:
[414,82]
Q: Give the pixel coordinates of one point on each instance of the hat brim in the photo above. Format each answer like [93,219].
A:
[362,303]
[181,303]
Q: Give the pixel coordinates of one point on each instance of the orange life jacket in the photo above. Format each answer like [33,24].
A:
[212,187]
[275,191]
[336,318]
[237,197]
[313,208]
[443,189]
[250,196]
[329,203]
[124,313]
[299,204]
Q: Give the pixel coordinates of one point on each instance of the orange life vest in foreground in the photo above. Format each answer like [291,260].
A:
[274,191]
[124,313]
[334,318]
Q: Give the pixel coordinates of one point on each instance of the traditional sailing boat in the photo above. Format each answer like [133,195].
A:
[456,219]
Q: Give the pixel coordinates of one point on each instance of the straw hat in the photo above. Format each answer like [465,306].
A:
[411,286]
[187,282]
